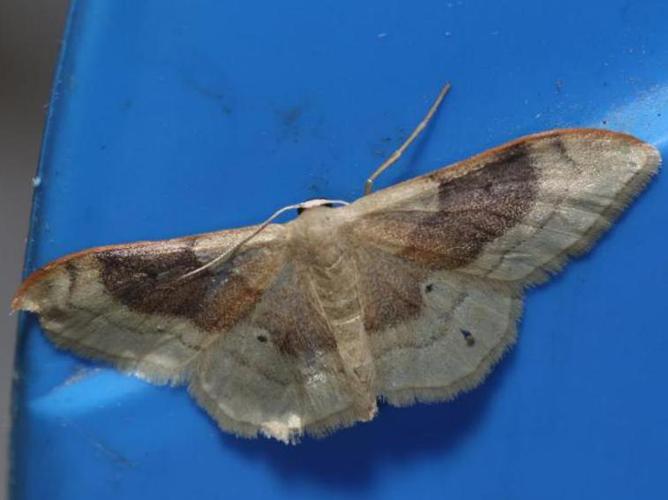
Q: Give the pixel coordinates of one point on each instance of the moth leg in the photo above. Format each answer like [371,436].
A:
[368,186]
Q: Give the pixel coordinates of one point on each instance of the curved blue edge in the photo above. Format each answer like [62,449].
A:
[173,118]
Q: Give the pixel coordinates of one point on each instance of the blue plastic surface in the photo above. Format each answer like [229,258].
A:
[173,118]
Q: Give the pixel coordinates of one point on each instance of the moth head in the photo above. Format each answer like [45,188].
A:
[318,202]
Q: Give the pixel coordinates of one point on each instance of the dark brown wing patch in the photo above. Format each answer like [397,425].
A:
[294,322]
[147,282]
[389,289]
[150,283]
[471,210]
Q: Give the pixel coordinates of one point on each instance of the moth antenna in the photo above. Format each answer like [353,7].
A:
[234,248]
[261,227]
[368,186]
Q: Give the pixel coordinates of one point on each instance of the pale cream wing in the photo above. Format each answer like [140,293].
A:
[129,305]
[433,333]
[279,372]
[443,258]
[246,335]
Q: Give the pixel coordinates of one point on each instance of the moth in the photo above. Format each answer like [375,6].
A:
[411,293]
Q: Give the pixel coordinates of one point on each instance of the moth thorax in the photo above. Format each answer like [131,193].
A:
[317,234]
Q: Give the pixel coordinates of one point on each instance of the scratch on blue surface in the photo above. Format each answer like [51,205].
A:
[99,445]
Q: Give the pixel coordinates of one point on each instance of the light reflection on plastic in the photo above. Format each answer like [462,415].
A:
[96,389]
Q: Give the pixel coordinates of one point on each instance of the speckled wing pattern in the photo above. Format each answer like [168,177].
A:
[408,294]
